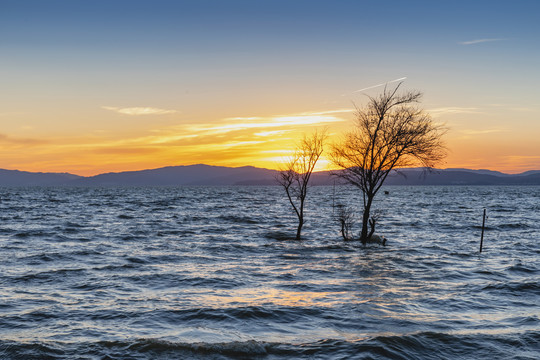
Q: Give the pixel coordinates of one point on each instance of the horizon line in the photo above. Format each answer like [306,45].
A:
[243,166]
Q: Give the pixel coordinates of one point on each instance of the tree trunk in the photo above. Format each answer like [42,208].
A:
[299,229]
[343,230]
[372,230]
[365,220]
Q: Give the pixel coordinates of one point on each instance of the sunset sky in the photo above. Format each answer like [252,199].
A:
[95,86]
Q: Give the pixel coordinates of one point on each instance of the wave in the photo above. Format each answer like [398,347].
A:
[522,268]
[257,316]
[81,282]
[33,233]
[167,280]
[238,219]
[423,345]
[512,226]
[43,277]
[516,288]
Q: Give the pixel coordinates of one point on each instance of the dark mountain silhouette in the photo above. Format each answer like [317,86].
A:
[181,176]
[206,175]
[530,172]
[480,171]
[460,177]
[24,178]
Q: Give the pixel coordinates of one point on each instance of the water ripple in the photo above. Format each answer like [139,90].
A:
[159,273]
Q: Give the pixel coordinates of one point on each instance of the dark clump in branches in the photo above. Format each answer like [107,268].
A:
[391,132]
[296,173]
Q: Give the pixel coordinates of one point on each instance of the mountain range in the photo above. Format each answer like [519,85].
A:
[206,175]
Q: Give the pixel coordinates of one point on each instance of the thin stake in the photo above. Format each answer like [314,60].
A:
[483,226]
[333,197]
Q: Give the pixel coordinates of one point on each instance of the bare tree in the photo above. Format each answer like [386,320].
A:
[295,175]
[345,217]
[391,132]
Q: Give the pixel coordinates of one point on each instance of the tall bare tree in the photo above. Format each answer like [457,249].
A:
[296,173]
[391,132]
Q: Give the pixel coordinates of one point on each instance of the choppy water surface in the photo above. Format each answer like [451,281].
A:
[160,273]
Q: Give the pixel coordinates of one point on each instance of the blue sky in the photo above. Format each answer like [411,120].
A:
[69,68]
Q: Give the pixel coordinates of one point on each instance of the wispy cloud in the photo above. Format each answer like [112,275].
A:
[5,139]
[111,150]
[327,112]
[288,121]
[520,163]
[521,157]
[270,133]
[470,132]
[239,143]
[237,127]
[382,84]
[483,109]
[136,111]
[454,110]
[478,41]
[514,107]
[467,134]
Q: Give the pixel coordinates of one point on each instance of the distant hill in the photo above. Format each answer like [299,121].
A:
[206,175]
[480,171]
[461,177]
[24,178]
[182,176]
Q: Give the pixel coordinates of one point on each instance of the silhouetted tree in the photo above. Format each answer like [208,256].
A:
[391,132]
[296,173]
[345,216]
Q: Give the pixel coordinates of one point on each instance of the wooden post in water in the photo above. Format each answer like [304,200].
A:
[333,197]
[483,226]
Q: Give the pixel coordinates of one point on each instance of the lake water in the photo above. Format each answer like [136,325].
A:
[197,272]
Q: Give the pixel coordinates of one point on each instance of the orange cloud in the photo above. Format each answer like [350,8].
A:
[11,141]
[257,140]
[139,110]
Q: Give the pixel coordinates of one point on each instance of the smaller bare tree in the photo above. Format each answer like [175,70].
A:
[345,217]
[296,173]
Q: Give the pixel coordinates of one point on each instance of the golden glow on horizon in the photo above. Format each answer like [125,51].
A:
[88,90]
[263,141]
[257,141]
